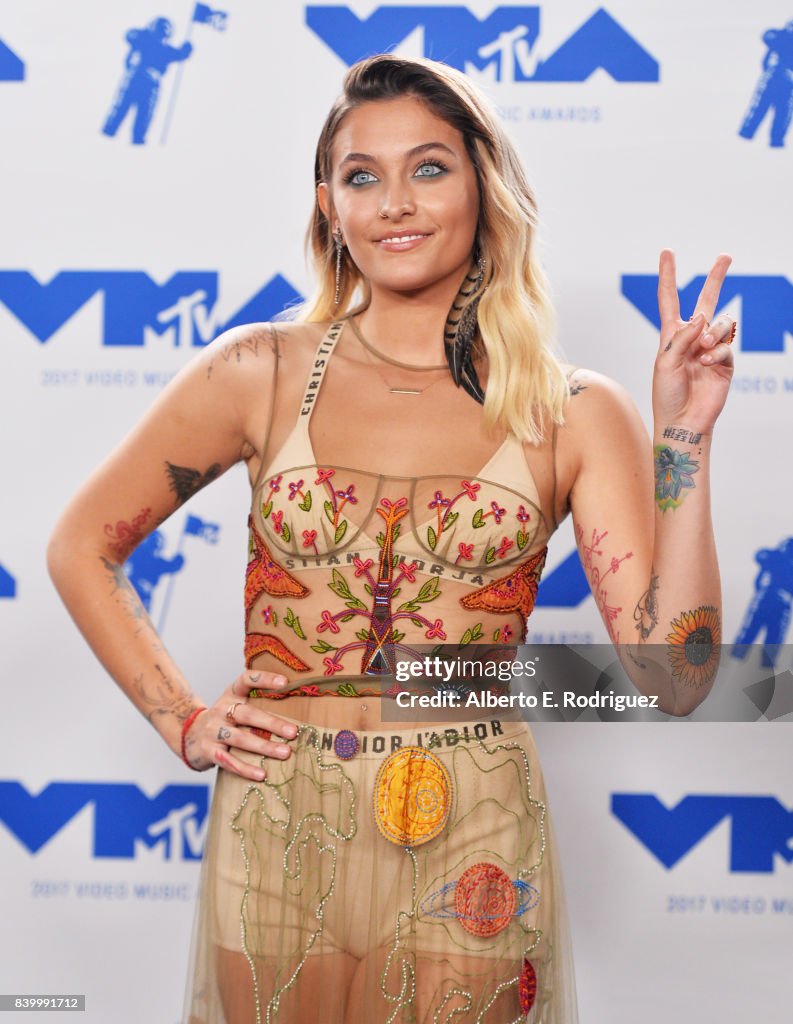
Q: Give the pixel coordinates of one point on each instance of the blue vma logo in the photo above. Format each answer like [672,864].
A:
[761,827]
[500,47]
[12,68]
[768,614]
[148,567]
[766,305]
[137,309]
[8,585]
[773,93]
[127,822]
[146,63]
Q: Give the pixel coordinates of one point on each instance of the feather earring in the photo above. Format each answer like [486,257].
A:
[460,331]
[337,238]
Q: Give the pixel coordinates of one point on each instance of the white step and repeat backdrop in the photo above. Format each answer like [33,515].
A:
[148,202]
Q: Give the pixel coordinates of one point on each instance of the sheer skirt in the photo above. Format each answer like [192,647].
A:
[381,877]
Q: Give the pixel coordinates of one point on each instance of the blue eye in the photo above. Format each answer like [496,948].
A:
[430,169]
[359,177]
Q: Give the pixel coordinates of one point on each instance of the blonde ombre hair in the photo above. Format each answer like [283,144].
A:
[526,385]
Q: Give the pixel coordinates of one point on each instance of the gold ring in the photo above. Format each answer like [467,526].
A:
[231,710]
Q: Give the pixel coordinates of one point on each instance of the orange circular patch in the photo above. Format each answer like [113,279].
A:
[485,900]
[412,796]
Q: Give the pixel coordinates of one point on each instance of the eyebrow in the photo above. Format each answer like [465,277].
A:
[368,158]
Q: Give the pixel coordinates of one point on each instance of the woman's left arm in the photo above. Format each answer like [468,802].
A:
[643,523]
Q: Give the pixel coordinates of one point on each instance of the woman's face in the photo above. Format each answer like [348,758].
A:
[403,191]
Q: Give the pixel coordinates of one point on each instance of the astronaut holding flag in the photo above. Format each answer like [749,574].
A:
[147,62]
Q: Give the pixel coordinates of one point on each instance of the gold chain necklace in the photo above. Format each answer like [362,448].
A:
[395,362]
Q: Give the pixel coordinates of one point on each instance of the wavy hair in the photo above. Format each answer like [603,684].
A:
[526,385]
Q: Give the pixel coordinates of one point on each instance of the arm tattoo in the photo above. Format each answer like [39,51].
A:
[127,595]
[186,482]
[125,536]
[162,697]
[597,573]
[645,614]
[693,646]
[224,733]
[674,473]
[575,382]
[236,349]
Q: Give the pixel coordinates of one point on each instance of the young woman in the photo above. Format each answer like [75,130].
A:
[412,443]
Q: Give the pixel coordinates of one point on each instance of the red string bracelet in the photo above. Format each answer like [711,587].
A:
[185,726]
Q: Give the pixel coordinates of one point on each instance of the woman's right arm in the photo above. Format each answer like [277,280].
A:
[211,416]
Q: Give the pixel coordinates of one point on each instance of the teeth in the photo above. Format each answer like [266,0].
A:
[402,238]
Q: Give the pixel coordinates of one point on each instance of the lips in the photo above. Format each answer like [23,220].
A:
[400,241]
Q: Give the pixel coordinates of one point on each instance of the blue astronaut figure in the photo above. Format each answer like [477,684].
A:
[771,604]
[146,63]
[775,89]
[145,566]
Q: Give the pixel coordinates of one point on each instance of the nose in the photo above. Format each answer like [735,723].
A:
[397,202]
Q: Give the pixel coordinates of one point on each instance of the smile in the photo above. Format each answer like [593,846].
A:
[401,242]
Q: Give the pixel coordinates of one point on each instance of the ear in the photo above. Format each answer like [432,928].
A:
[323,199]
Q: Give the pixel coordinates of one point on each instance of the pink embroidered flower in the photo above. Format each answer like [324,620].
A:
[323,475]
[506,544]
[470,489]
[278,521]
[466,552]
[439,501]
[309,690]
[387,503]
[408,571]
[506,633]
[294,489]
[309,536]
[362,567]
[435,631]
[498,513]
[327,623]
[523,515]
[348,495]
[331,666]
[275,483]
[267,614]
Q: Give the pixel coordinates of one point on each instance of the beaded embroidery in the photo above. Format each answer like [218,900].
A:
[412,796]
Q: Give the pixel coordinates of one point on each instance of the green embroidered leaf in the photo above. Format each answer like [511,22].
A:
[328,506]
[396,636]
[496,635]
[394,561]
[450,519]
[275,618]
[293,622]
[395,532]
[490,556]
[347,690]
[418,622]
[355,603]
[339,585]
[395,593]
[267,509]
[409,606]
[380,539]
[522,539]
[321,647]
[362,635]
[466,638]
[368,590]
[476,522]
[476,631]
[346,618]
[340,530]
[432,539]
[305,504]
[429,591]
[287,533]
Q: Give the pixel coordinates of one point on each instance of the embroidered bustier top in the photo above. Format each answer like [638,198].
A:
[349,571]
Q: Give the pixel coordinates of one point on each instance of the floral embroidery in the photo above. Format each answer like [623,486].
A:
[466,551]
[328,622]
[447,518]
[435,632]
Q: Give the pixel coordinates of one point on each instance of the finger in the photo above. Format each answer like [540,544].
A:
[255,718]
[225,759]
[722,353]
[722,329]
[709,296]
[685,337]
[668,300]
[254,680]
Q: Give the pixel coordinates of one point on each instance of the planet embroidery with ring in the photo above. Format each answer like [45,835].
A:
[412,796]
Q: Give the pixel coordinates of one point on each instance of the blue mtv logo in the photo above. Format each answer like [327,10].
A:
[773,93]
[12,68]
[761,827]
[137,309]
[8,585]
[565,586]
[127,822]
[500,45]
[766,305]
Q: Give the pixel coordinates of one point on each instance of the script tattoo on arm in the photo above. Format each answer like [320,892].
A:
[185,482]
[237,348]
[645,614]
[674,472]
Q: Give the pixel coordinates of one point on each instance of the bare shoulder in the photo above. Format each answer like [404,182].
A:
[596,401]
